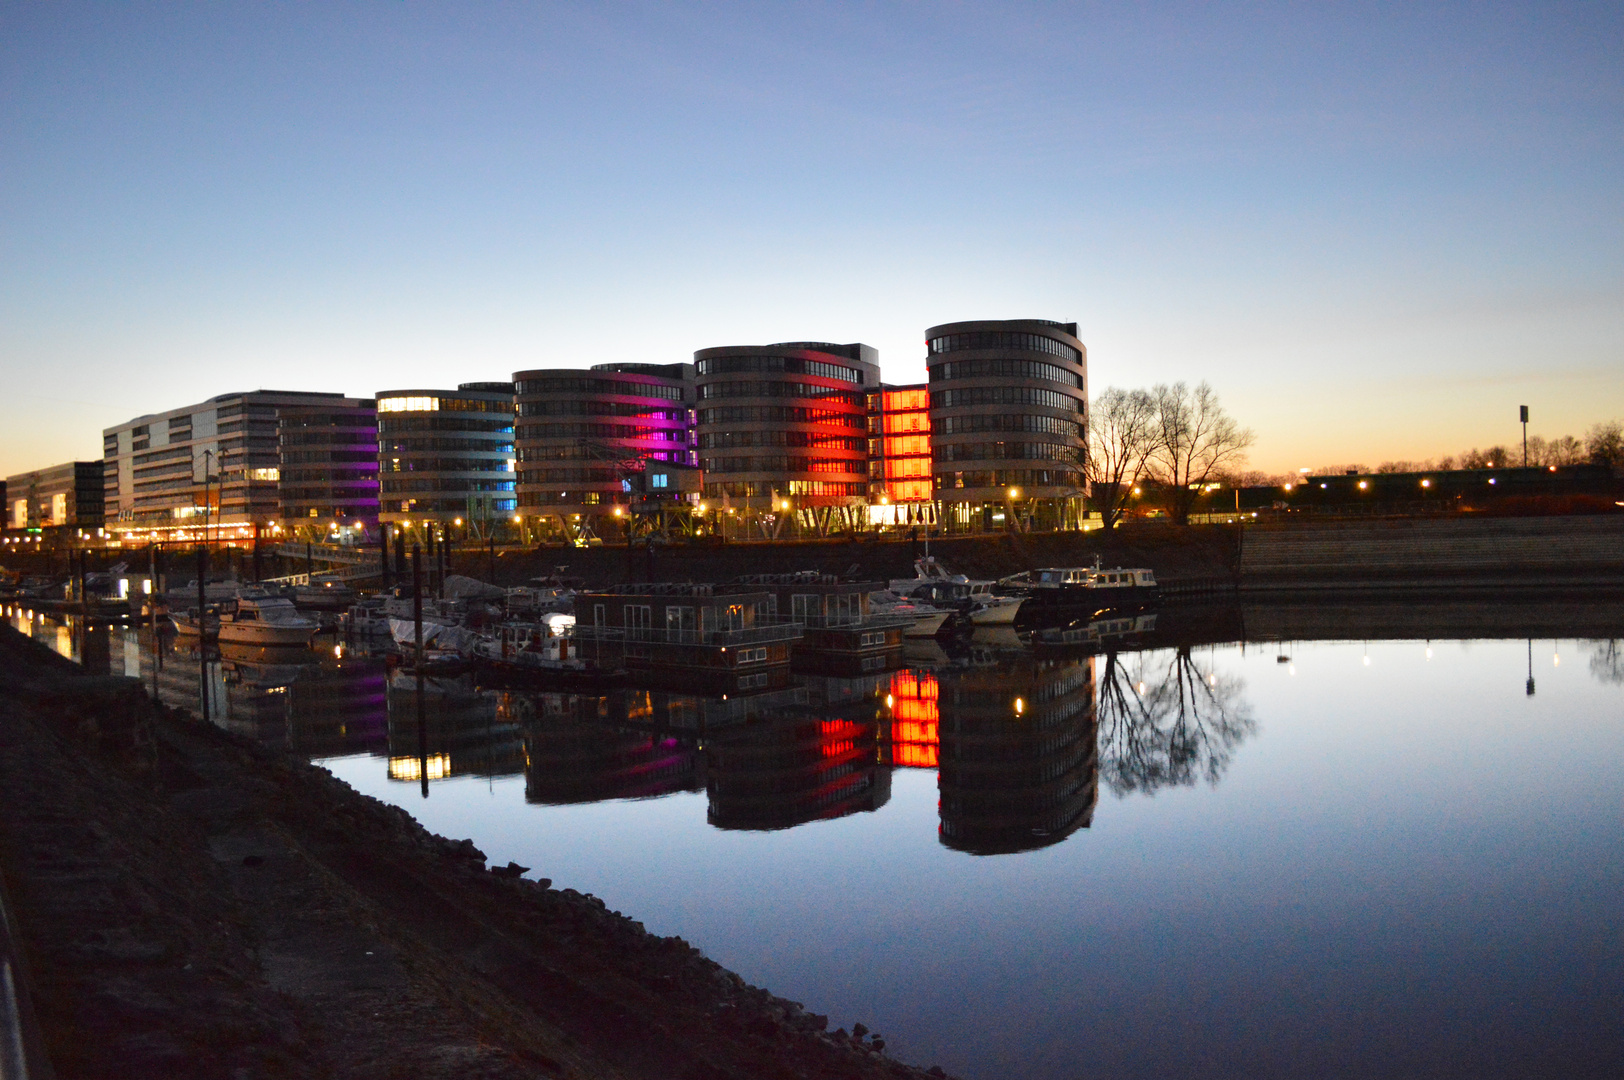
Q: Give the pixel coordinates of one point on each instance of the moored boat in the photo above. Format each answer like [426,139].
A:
[256,620]
[1055,591]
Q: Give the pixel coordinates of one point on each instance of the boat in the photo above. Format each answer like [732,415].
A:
[1053,591]
[257,620]
[542,649]
[927,619]
[976,601]
[368,616]
[1105,630]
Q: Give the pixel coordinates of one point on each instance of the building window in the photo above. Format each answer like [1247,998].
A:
[409,404]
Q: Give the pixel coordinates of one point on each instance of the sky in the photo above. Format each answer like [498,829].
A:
[1376,230]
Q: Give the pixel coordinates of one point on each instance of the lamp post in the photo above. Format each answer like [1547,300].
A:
[1523,412]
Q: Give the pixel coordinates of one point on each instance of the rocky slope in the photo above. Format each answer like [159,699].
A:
[193,905]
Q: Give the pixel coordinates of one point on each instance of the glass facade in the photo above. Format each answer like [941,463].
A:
[899,449]
[221,463]
[1010,401]
[744,446]
[574,472]
[328,476]
[447,456]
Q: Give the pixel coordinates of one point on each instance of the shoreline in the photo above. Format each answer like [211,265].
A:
[189,903]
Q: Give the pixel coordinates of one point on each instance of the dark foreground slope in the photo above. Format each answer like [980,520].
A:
[192,905]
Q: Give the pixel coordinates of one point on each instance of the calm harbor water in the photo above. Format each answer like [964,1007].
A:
[1282,858]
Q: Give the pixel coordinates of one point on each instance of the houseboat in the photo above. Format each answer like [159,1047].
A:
[688,636]
[844,632]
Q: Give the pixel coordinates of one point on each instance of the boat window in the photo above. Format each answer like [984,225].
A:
[679,617]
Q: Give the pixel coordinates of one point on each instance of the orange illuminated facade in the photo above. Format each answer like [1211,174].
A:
[899,456]
[915,720]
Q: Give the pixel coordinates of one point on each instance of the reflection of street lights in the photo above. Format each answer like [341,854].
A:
[1010,496]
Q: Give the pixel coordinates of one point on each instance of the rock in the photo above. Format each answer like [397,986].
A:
[877,1043]
[859,1030]
[511,870]
[936,1070]
[253,860]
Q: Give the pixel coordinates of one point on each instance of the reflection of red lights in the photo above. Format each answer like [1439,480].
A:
[904,756]
[838,738]
[915,720]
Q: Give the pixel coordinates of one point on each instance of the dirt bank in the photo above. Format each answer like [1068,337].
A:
[194,905]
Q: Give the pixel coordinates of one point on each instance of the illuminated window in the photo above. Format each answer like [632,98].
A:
[409,404]
[264,474]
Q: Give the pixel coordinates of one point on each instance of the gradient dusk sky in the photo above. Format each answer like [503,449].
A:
[1375,229]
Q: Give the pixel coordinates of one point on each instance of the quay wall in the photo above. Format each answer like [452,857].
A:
[1422,553]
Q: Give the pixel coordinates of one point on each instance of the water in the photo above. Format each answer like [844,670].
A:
[1320,857]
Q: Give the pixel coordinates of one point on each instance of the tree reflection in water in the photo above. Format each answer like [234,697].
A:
[1607,661]
[1167,720]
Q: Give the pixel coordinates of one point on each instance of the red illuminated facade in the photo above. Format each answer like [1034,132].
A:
[915,720]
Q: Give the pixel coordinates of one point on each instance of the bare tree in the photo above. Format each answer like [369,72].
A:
[1165,720]
[1121,435]
[1195,438]
[1606,444]
[1563,451]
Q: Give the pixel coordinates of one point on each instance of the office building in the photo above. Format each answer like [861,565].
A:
[586,438]
[61,497]
[782,432]
[1008,422]
[329,470]
[446,456]
[213,466]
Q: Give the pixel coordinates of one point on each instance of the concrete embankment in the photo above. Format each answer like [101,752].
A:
[1464,551]
[190,904]
[1205,553]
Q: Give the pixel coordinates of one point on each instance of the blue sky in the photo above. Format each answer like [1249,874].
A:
[1375,229]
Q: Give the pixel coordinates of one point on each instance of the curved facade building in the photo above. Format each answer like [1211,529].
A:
[1008,417]
[582,432]
[785,422]
[447,456]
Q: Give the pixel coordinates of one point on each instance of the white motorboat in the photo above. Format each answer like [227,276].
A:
[975,599]
[257,620]
[542,645]
[927,618]
[265,620]
[368,616]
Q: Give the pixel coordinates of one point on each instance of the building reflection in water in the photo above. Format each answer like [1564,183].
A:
[576,752]
[1018,766]
[316,704]
[1020,739]
[467,731]
[819,759]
